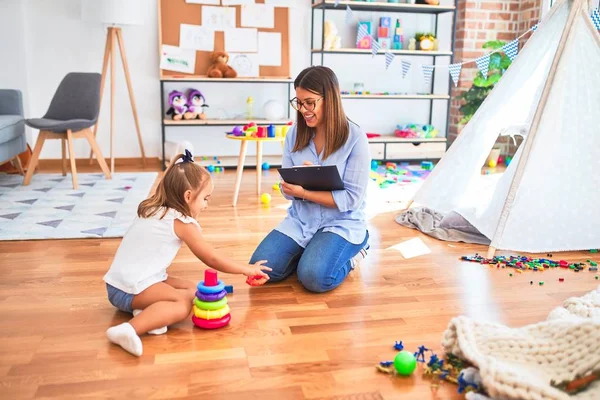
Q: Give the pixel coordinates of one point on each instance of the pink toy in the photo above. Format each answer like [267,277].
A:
[211,323]
[210,278]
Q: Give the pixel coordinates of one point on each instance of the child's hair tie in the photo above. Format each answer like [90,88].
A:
[187,156]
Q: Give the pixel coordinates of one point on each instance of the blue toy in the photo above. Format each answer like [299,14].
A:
[386,363]
[265,166]
[229,289]
[399,346]
[420,355]
[211,168]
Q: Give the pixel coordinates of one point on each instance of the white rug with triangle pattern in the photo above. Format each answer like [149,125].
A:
[49,208]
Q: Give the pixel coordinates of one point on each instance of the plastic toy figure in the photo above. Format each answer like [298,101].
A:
[399,346]
[420,355]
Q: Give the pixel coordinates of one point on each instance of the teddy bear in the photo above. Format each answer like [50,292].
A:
[218,67]
[177,101]
[195,105]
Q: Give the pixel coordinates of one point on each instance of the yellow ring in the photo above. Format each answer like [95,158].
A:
[211,314]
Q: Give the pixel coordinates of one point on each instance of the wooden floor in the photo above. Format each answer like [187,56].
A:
[283,343]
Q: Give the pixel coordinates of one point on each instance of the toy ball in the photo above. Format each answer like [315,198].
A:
[274,110]
[492,164]
[237,131]
[265,198]
[374,164]
[211,168]
[405,363]
[266,166]
[276,186]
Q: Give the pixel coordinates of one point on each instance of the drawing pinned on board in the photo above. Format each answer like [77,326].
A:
[211,2]
[196,37]
[174,58]
[245,64]
[218,18]
[241,40]
[269,49]
[258,16]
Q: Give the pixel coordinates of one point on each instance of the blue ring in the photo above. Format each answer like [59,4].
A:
[211,289]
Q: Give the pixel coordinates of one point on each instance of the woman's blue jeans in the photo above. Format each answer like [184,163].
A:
[322,265]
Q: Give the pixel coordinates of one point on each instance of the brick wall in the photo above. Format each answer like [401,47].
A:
[477,22]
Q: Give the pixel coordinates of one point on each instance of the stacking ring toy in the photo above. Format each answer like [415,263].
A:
[211,289]
[210,306]
[211,296]
[211,314]
[211,323]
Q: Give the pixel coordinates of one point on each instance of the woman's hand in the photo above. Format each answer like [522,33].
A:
[257,269]
[293,190]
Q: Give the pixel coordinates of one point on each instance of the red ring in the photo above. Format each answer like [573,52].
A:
[211,323]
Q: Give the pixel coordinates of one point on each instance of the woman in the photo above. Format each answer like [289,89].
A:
[324,234]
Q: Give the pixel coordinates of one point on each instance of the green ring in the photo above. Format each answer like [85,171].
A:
[212,305]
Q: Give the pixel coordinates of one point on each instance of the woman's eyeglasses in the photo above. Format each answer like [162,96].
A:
[309,105]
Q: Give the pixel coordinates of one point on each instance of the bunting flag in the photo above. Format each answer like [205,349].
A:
[375,46]
[596,18]
[511,49]
[427,73]
[336,3]
[405,68]
[483,64]
[349,15]
[389,57]
[362,33]
[534,28]
[455,72]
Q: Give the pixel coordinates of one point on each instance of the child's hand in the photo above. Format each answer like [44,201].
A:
[257,269]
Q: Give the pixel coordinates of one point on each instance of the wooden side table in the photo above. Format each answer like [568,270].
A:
[242,158]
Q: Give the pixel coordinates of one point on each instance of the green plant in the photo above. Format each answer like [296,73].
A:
[419,35]
[482,86]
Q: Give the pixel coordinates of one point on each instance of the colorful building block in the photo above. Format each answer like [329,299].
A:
[385,43]
[367,25]
[365,43]
[383,32]
[385,22]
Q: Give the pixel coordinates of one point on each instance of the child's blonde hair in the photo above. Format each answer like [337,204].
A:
[179,178]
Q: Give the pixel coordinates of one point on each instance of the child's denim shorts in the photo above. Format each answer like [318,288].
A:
[119,298]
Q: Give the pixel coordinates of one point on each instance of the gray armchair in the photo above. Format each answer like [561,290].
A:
[12,127]
[73,111]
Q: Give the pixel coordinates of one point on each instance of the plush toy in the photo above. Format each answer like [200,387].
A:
[218,67]
[195,105]
[332,39]
[177,101]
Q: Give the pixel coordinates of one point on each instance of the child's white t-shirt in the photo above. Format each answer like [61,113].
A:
[146,251]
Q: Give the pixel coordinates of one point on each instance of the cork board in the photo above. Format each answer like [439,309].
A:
[173,13]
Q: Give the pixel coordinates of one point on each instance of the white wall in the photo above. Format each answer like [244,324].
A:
[48,39]
[13,71]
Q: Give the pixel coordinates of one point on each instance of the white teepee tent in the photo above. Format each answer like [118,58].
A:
[549,197]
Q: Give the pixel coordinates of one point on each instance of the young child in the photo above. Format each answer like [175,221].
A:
[137,281]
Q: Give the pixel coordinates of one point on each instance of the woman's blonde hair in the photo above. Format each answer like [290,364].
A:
[322,81]
[179,178]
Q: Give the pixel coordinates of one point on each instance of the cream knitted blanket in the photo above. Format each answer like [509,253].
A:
[520,363]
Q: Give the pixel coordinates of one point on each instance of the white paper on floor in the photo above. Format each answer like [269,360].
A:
[411,248]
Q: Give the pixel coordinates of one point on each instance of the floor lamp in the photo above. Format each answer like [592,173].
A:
[115,13]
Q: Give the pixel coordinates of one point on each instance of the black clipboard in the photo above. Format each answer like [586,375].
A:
[318,178]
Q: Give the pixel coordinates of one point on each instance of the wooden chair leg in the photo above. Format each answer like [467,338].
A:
[17,163]
[34,157]
[63,143]
[240,171]
[96,150]
[72,158]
